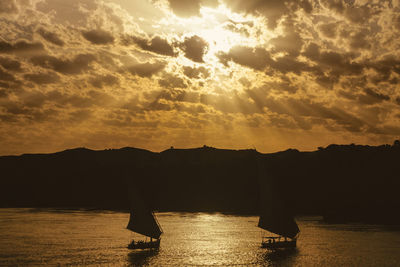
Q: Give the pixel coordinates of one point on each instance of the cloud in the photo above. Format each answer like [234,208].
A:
[98,37]
[42,78]
[256,58]
[154,97]
[361,13]
[337,63]
[104,80]
[291,42]
[260,59]
[272,10]
[8,6]
[21,47]
[172,81]
[146,70]
[359,40]
[336,5]
[50,37]
[285,85]
[90,99]
[76,65]
[5,76]
[297,70]
[155,45]
[73,12]
[184,8]
[238,29]
[196,73]
[320,112]
[329,29]
[371,97]
[194,48]
[10,64]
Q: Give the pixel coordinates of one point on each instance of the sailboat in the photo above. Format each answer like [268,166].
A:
[143,221]
[274,216]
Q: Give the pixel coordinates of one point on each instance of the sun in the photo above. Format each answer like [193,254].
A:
[213,27]
[220,39]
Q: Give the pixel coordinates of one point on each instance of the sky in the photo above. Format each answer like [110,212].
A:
[269,75]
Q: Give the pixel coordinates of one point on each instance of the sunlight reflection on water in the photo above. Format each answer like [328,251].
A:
[51,237]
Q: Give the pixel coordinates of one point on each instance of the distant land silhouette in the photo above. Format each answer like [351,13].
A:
[344,183]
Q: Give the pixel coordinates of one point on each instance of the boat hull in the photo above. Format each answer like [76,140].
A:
[144,245]
[288,244]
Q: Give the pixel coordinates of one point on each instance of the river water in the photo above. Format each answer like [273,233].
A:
[59,237]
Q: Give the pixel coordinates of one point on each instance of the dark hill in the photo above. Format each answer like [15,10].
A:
[342,182]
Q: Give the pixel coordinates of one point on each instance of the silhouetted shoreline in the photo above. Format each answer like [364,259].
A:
[344,183]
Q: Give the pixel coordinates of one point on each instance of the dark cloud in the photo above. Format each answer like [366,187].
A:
[172,94]
[155,44]
[42,78]
[21,47]
[273,10]
[360,14]
[104,80]
[336,5]
[3,93]
[255,58]
[184,8]
[355,13]
[4,85]
[146,69]
[50,37]
[359,40]
[335,62]
[287,64]
[34,99]
[194,48]
[172,81]
[238,29]
[89,99]
[76,65]
[8,6]
[98,37]
[290,42]
[10,64]
[385,66]
[196,73]
[329,29]
[5,76]
[260,59]
[371,97]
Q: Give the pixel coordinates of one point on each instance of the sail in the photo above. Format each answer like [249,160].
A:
[141,219]
[144,223]
[274,216]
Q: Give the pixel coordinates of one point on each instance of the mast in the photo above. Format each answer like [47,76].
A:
[274,215]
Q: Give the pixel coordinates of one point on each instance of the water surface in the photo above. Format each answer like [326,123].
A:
[58,237]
